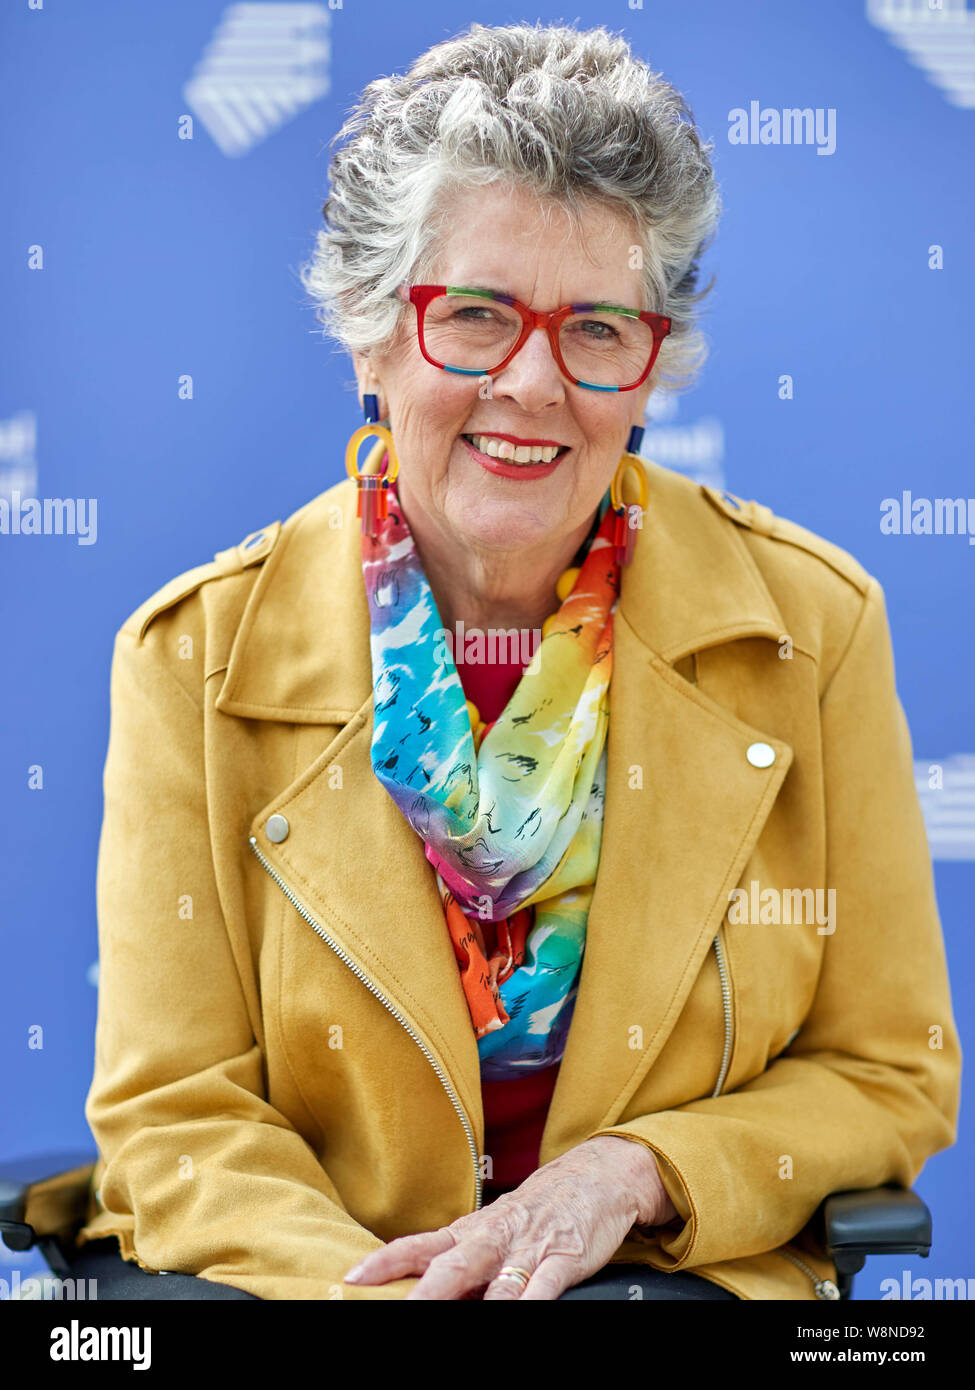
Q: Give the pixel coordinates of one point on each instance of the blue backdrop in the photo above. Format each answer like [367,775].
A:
[133,257]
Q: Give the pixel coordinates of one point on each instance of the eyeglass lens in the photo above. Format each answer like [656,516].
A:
[475,334]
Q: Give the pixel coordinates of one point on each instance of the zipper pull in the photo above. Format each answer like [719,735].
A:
[823,1288]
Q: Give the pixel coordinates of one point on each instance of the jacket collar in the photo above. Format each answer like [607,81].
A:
[302,649]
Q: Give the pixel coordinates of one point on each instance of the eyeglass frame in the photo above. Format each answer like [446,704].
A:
[551,321]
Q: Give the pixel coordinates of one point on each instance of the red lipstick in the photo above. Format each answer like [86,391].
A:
[502,468]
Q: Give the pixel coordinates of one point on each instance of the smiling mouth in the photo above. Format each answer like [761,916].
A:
[506,452]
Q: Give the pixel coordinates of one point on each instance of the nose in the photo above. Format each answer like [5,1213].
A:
[532,377]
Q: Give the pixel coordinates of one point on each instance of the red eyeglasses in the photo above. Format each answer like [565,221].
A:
[476,332]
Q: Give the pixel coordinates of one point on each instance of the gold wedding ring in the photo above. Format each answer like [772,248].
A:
[513,1272]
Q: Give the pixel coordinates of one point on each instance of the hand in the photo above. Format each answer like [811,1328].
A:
[563,1223]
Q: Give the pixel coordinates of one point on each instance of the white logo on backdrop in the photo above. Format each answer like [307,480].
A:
[264,64]
[695,448]
[940,40]
[18,455]
[949,804]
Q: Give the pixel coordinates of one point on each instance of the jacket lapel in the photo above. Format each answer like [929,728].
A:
[684,807]
[302,654]
[672,847]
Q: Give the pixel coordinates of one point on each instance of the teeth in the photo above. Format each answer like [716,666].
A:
[521,453]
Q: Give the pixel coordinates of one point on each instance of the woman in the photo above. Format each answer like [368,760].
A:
[588,965]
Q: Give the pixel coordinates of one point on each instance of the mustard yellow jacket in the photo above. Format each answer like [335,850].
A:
[285,1073]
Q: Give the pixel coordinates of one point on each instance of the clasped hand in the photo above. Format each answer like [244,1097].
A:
[562,1224]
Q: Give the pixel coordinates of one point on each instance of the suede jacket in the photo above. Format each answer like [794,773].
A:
[286,1074]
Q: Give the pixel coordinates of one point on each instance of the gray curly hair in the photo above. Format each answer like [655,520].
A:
[570,115]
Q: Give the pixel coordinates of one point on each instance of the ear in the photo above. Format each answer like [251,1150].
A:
[367,381]
[363,373]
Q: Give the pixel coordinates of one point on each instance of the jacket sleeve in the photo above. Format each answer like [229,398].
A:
[870,1087]
[197,1173]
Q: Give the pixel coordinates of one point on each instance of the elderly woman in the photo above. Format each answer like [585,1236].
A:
[586,960]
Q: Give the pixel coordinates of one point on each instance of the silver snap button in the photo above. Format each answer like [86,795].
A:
[254,540]
[760,754]
[277,829]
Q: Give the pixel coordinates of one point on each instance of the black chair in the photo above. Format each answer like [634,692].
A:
[44,1202]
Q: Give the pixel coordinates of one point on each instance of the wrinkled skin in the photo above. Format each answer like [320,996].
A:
[564,1222]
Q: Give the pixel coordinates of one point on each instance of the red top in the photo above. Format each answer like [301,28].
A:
[514,1111]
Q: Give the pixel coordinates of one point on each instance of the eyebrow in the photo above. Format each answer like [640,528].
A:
[483,289]
[506,295]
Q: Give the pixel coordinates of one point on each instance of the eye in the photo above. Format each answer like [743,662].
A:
[597,330]
[474,314]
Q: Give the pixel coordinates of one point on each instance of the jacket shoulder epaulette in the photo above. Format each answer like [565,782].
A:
[253,548]
[762,521]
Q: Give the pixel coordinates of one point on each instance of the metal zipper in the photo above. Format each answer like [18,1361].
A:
[726,1004]
[825,1288]
[319,930]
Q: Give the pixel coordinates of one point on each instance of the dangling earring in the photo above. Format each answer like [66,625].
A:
[372,503]
[627,524]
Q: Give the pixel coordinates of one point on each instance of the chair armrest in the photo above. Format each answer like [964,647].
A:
[43,1194]
[873,1221]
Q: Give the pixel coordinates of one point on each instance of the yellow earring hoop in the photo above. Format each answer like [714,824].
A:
[370,468]
[372,504]
[625,534]
[627,463]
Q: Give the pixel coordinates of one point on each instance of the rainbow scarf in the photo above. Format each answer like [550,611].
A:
[512,829]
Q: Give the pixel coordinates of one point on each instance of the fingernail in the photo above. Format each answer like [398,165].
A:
[353,1274]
